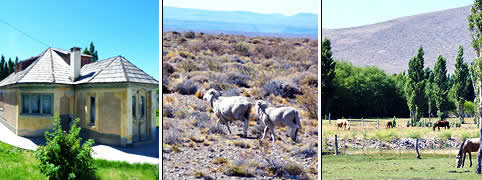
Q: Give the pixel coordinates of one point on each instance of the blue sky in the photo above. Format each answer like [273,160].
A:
[351,13]
[127,28]
[285,7]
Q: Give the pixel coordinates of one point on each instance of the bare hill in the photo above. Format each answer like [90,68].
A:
[390,44]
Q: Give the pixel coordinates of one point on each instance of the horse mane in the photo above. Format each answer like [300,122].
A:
[462,147]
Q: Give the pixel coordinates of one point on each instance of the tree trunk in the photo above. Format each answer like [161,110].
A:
[329,118]
[479,154]
[416,148]
[336,144]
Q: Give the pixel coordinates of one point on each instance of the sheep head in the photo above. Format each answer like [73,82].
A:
[260,106]
[211,95]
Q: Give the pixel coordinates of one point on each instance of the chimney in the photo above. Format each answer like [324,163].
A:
[75,63]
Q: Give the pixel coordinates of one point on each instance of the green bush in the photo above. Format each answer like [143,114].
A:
[445,135]
[63,157]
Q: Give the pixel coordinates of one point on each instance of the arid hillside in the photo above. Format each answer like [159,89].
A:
[282,72]
[390,45]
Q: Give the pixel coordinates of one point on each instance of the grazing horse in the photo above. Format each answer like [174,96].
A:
[389,124]
[442,123]
[342,123]
[468,146]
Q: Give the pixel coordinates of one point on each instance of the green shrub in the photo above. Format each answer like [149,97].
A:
[445,135]
[190,35]
[414,134]
[408,123]
[63,157]
[394,122]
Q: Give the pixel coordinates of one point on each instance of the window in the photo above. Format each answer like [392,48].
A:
[142,107]
[133,106]
[37,104]
[92,111]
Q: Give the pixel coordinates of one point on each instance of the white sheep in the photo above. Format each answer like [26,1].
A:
[229,109]
[278,117]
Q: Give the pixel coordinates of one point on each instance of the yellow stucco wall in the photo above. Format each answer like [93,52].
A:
[8,107]
[36,125]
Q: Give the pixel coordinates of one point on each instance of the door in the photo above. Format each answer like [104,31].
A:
[139,116]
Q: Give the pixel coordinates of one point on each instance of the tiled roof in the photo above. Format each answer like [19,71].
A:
[52,67]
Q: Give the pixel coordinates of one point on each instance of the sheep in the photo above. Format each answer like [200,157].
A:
[229,108]
[278,117]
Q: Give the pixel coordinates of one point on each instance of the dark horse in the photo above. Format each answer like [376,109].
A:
[442,123]
[389,124]
[468,146]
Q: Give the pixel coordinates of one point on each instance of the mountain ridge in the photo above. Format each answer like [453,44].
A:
[390,44]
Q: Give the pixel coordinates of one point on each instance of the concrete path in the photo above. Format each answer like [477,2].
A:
[99,151]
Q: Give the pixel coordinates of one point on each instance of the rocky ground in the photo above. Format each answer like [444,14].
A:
[194,148]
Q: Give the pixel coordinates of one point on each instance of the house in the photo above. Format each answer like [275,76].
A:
[114,99]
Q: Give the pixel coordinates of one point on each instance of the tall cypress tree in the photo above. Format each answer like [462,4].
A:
[460,82]
[441,87]
[415,85]
[327,75]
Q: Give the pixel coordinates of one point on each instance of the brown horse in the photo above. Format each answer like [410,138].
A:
[442,123]
[389,124]
[468,146]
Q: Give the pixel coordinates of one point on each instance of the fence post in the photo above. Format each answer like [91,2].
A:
[416,148]
[363,122]
[336,144]
[425,123]
[329,118]
[378,123]
[433,147]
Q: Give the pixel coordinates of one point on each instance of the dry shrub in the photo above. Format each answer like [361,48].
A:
[231,92]
[215,46]
[168,111]
[186,87]
[241,144]
[241,48]
[280,88]
[190,35]
[172,136]
[186,55]
[200,119]
[188,66]
[167,68]
[219,160]
[308,101]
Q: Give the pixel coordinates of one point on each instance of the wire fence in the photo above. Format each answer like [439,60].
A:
[426,146]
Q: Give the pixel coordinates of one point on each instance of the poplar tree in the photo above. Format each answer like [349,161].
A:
[441,87]
[460,83]
[415,86]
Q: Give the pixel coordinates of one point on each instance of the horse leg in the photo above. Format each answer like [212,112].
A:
[470,158]
[463,161]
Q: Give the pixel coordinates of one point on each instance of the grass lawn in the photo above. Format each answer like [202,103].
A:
[157,117]
[16,163]
[390,166]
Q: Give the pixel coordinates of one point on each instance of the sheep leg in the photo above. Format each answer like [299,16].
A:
[246,124]
[229,129]
[272,134]
[265,129]
[294,133]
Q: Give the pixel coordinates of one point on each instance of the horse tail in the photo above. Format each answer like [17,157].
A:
[462,147]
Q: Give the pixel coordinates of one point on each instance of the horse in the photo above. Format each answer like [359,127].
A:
[441,123]
[468,146]
[342,123]
[389,124]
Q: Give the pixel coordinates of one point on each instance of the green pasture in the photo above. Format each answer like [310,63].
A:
[395,166]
